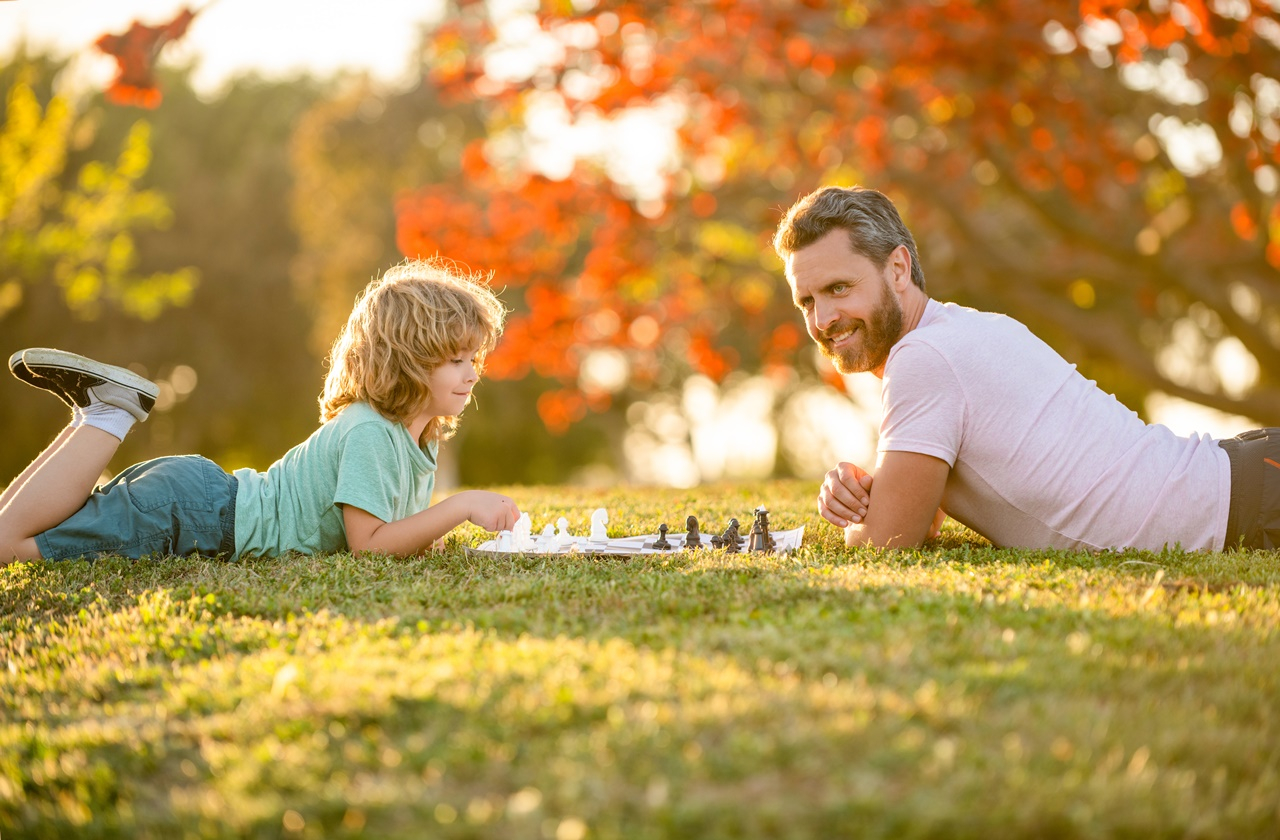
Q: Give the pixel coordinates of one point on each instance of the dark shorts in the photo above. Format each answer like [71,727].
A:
[1254,519]
[179,506]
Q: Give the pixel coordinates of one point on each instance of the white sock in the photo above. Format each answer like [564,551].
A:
[109,418]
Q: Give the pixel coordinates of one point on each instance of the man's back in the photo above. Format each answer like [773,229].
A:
[1040,456]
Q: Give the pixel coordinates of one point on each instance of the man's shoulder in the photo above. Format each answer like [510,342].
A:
[945,325]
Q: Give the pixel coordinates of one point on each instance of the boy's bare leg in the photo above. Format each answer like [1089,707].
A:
[33,466]
[57,488]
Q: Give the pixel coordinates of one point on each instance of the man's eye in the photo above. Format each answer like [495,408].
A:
[839,288]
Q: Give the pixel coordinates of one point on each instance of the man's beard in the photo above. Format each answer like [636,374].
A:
[873,339]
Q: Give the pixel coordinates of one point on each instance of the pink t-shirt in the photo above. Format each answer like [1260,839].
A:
[1039,455]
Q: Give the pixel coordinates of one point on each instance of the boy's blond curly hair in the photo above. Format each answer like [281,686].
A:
[405,324]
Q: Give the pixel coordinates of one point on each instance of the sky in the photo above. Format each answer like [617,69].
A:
[273,37]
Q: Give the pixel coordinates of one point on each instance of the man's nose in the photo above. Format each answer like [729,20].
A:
[824,315]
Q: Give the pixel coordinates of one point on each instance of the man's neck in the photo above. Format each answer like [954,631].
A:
[913,301]
[913,305]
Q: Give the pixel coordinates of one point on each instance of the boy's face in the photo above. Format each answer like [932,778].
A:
[451,385]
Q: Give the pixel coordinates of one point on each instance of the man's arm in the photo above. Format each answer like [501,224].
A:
[903,501]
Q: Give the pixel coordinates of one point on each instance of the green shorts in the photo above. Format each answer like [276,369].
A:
[178,505]
[1254,518]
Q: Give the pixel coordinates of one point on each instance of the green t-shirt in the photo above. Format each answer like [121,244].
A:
[358,458]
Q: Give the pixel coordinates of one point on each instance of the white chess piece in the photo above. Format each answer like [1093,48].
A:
[563,538]
[505,542]
[599,519]
[547,542]
[522,538]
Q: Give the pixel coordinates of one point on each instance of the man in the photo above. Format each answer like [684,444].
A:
[985,423]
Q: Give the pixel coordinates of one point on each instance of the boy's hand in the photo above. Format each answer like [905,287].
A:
[491,511]
[845,494]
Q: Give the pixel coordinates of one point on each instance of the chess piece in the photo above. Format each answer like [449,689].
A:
[759,540]
[716,541]
[692,538]
[547,542]
[521,534]
[661,543]
[732,539]
[598,520]
[505,542]
[762,517]
[563,538]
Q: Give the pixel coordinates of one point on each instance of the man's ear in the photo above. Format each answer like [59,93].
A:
[899,265]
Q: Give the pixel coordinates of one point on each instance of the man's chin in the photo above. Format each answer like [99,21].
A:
[843,363]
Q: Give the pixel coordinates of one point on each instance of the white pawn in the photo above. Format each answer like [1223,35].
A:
[598,520]
[547,542]
[563,538]
[506,542]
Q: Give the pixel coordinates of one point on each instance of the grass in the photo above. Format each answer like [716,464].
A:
[953,691]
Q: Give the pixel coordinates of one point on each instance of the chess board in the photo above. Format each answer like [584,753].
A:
[784,541]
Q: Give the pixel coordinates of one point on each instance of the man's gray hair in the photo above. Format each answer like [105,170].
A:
[875,229]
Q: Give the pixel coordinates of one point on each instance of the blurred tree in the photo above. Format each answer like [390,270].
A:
[238,379]
[1104,170]
[70,227]
[75,224]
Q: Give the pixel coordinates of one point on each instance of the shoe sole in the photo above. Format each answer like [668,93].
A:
[23,374]
[57,361]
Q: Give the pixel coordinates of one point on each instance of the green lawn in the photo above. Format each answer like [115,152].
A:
[956,691]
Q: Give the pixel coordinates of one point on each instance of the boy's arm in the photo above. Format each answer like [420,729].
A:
[903,506]
[416,533]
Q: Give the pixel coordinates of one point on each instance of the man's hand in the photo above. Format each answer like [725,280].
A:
[845,495]
[905,509]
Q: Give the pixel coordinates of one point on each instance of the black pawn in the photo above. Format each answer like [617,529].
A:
[732,541]
[692,538]
[731,533]
[716,541]
[661,543]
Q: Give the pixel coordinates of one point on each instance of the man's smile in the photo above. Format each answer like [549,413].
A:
[839,336]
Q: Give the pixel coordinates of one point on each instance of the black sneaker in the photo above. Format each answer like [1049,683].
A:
[79,381]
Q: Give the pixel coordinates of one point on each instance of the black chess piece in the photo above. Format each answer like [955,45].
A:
[661,543]
[732,540]
[759,540]
[692,538]
[716,541]
[762,519]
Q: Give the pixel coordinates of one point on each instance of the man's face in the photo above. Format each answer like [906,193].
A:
[850,306]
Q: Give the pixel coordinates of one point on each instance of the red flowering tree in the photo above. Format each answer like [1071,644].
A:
[1105,170]
[135,52]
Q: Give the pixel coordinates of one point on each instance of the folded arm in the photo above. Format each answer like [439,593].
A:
[416,533]
[902,510]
